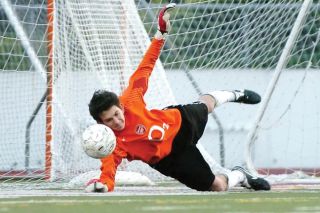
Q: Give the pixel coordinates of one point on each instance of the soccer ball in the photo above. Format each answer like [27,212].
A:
[98,141]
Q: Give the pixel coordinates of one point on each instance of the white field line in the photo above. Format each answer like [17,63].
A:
[52,201]
[119,191]
[151,200]
[179,207]
[136,191]
[307,209]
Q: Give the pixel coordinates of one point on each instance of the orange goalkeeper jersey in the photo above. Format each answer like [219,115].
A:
[148,134]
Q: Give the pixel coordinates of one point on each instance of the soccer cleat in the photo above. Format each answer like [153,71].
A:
[246,97]
[251,181]
[163,18]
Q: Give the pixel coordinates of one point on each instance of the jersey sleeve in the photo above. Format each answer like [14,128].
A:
[138,82]
[109,167]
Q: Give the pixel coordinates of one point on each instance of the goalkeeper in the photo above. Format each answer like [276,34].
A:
[165,139]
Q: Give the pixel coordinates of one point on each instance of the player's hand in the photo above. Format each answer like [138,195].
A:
[163,18]
[94,185]
[163,21]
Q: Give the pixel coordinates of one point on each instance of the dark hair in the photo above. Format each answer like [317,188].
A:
[102,100]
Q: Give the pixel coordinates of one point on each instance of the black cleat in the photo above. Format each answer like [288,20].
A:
[251,181]
[247,97]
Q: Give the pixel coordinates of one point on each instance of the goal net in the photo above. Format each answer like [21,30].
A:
[55,54]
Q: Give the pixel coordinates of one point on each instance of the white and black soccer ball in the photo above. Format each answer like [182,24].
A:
[98,141]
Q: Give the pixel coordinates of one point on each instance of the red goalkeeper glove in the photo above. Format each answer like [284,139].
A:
[163,20]
[95,185]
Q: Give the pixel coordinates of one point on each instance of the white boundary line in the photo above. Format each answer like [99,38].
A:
[119,191]
[142,191]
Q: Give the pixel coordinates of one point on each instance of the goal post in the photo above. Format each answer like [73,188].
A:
[283,60]
[69,49]
[49,89]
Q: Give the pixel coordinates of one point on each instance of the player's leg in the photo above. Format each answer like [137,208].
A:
[239,176]
[189,167]
[216,98]
[224,182]
[219,184]
[251,181]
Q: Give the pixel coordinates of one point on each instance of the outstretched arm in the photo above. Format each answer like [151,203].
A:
[138,82]
[109,166]
[139,79]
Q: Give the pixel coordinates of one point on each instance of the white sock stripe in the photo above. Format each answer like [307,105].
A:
[223,96]
[235,177]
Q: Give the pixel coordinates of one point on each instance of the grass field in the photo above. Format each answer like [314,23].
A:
[274,201]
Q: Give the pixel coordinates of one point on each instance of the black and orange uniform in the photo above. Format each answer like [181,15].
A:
[152,136]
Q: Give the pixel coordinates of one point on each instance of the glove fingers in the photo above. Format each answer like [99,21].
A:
[163,21]
[90,188]
[170,6]
[96,187]
[167,11]
[100,187]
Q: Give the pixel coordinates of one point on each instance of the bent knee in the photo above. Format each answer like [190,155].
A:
[209,101]
[219,184]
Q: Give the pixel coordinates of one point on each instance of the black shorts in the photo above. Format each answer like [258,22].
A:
[185,163]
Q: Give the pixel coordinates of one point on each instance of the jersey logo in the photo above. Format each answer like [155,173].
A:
[140,129]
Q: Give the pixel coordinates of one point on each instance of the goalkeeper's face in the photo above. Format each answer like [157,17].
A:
[113,118]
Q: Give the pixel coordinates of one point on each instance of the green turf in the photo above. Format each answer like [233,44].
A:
[292,201]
